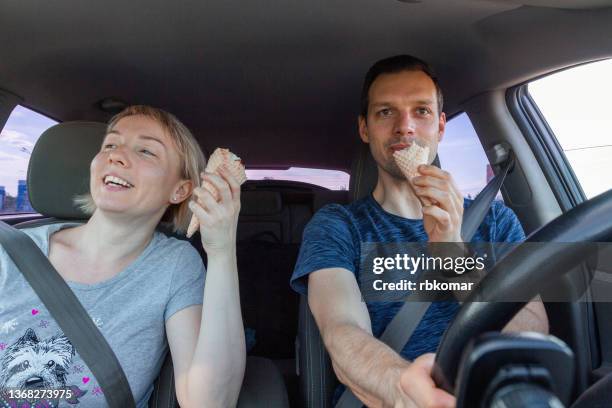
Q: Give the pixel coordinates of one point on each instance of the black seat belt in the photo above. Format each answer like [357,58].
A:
[69,314]
[408,317]
[476,212]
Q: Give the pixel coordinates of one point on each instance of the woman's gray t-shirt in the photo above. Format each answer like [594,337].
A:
[130,309]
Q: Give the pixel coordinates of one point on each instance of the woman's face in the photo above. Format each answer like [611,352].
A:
[136,171]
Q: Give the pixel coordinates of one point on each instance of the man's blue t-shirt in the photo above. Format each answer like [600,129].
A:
[332,239]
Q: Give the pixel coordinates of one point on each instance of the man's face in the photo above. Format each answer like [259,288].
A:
[402,110]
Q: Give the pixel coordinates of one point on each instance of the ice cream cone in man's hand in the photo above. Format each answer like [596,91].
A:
[233,164]
[409,159]
[441,198]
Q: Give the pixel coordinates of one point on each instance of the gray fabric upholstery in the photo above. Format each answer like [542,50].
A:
[316,376]
[262,215]
[596,396]
[364,173]
[322,198]
[260,203]
[164,394]
[274,216]
[59,167]
[263,385]
[317,379]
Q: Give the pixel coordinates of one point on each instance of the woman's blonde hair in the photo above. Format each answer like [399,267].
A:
[192,161]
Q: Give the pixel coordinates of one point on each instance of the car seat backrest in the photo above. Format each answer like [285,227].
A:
[257,203]
[301,210]
[59,167]
[261,217]
[270,228]
[269,231]
[322,198]
[364,173]
[279,215]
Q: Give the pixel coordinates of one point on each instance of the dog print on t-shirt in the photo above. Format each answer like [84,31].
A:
[38,367]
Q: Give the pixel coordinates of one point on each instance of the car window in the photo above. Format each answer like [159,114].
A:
[580,120]
[331,179]
[17,140]
[461,154]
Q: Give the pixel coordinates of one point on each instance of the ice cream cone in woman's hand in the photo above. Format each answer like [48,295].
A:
[234,166]
[409,159]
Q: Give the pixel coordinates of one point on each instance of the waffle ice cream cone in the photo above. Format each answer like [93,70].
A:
[234,165]
[409,159]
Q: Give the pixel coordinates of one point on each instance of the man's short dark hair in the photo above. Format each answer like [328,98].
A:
[393,65]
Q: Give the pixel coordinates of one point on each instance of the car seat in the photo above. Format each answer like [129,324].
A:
[59,170]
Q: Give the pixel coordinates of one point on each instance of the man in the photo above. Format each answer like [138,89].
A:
[401,104]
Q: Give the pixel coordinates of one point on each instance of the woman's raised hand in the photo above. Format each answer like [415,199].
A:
[218,219]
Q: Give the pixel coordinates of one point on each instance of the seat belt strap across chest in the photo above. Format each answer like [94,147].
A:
[69,314]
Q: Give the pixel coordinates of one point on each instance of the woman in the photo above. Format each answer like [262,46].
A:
[136,282]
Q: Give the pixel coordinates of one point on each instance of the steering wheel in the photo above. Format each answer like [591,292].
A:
[522,274]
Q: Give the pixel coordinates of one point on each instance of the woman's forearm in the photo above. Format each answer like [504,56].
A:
[216,372]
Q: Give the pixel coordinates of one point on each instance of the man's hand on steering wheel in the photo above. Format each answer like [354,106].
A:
[416,388]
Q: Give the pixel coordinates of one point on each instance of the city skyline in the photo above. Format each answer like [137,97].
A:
[17,140]
[21,201]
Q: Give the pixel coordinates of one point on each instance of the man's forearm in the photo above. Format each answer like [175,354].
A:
[364,364]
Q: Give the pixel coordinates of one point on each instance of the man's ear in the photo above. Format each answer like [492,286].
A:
[441,126]
[363,129]
[182,191]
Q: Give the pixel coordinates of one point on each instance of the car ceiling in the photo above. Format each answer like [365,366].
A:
[279,81]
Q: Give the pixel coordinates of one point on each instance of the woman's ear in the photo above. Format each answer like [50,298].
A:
[182,191]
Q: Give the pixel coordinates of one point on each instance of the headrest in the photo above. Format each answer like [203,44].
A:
[260,203]
[59,167]
[364,173]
